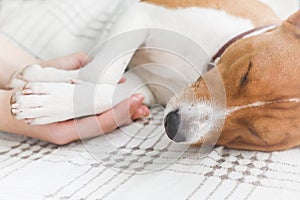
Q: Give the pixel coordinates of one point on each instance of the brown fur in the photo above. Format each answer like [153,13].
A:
[257,12]
[274,75]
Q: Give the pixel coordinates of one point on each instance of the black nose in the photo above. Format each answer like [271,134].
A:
[172,124]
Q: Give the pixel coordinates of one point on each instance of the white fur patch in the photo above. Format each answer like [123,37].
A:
[259,104]
[198,119]
[210,28]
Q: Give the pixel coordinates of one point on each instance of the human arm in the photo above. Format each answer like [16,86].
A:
[13,59]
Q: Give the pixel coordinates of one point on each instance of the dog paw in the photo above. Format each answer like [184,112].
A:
[15,82]
[44,103]
[37,73]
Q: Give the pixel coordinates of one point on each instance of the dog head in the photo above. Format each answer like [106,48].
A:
[261,79]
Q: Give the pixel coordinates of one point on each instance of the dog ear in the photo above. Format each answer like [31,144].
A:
[293,23]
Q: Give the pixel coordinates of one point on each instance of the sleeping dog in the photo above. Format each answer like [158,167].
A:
[255,55]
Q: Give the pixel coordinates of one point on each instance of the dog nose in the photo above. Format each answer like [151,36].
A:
[172,124]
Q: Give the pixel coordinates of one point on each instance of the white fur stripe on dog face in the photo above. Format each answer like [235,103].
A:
[259,104]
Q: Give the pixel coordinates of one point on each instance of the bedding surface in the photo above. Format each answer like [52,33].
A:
[119,165]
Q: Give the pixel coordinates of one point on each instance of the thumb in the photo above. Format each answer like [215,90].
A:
[70,62]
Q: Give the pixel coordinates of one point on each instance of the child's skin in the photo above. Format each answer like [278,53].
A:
[13,59]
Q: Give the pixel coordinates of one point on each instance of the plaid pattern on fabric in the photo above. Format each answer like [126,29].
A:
[31,169]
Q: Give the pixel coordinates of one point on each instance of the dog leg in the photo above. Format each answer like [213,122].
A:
[47,102]
[37,73]
[106,64]
[133,85]
[114,54]
[43,103]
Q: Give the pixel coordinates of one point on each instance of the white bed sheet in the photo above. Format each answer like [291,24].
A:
[31,169]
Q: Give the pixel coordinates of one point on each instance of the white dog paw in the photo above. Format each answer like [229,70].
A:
[37,73]
[15,82]
[44,103]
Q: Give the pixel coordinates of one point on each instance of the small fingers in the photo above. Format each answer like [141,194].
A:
[142,111]
[69,62]
[122,80]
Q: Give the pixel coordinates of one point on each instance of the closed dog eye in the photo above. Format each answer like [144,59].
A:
[244,78]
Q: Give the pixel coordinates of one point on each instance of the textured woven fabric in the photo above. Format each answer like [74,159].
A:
[120,166]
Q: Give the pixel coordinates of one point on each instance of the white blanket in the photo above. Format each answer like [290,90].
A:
[139,168]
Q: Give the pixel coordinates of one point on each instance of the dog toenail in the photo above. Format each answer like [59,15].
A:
[15,111]
[26,86]
[72,81]
[28,121]
[20,75]
[13,114]
[27,91]
[13,99]
[15,105]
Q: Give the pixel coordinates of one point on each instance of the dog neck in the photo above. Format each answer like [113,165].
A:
[209,23]
[249,33]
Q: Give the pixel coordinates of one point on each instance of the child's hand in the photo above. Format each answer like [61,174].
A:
[68,131]
[65,132]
